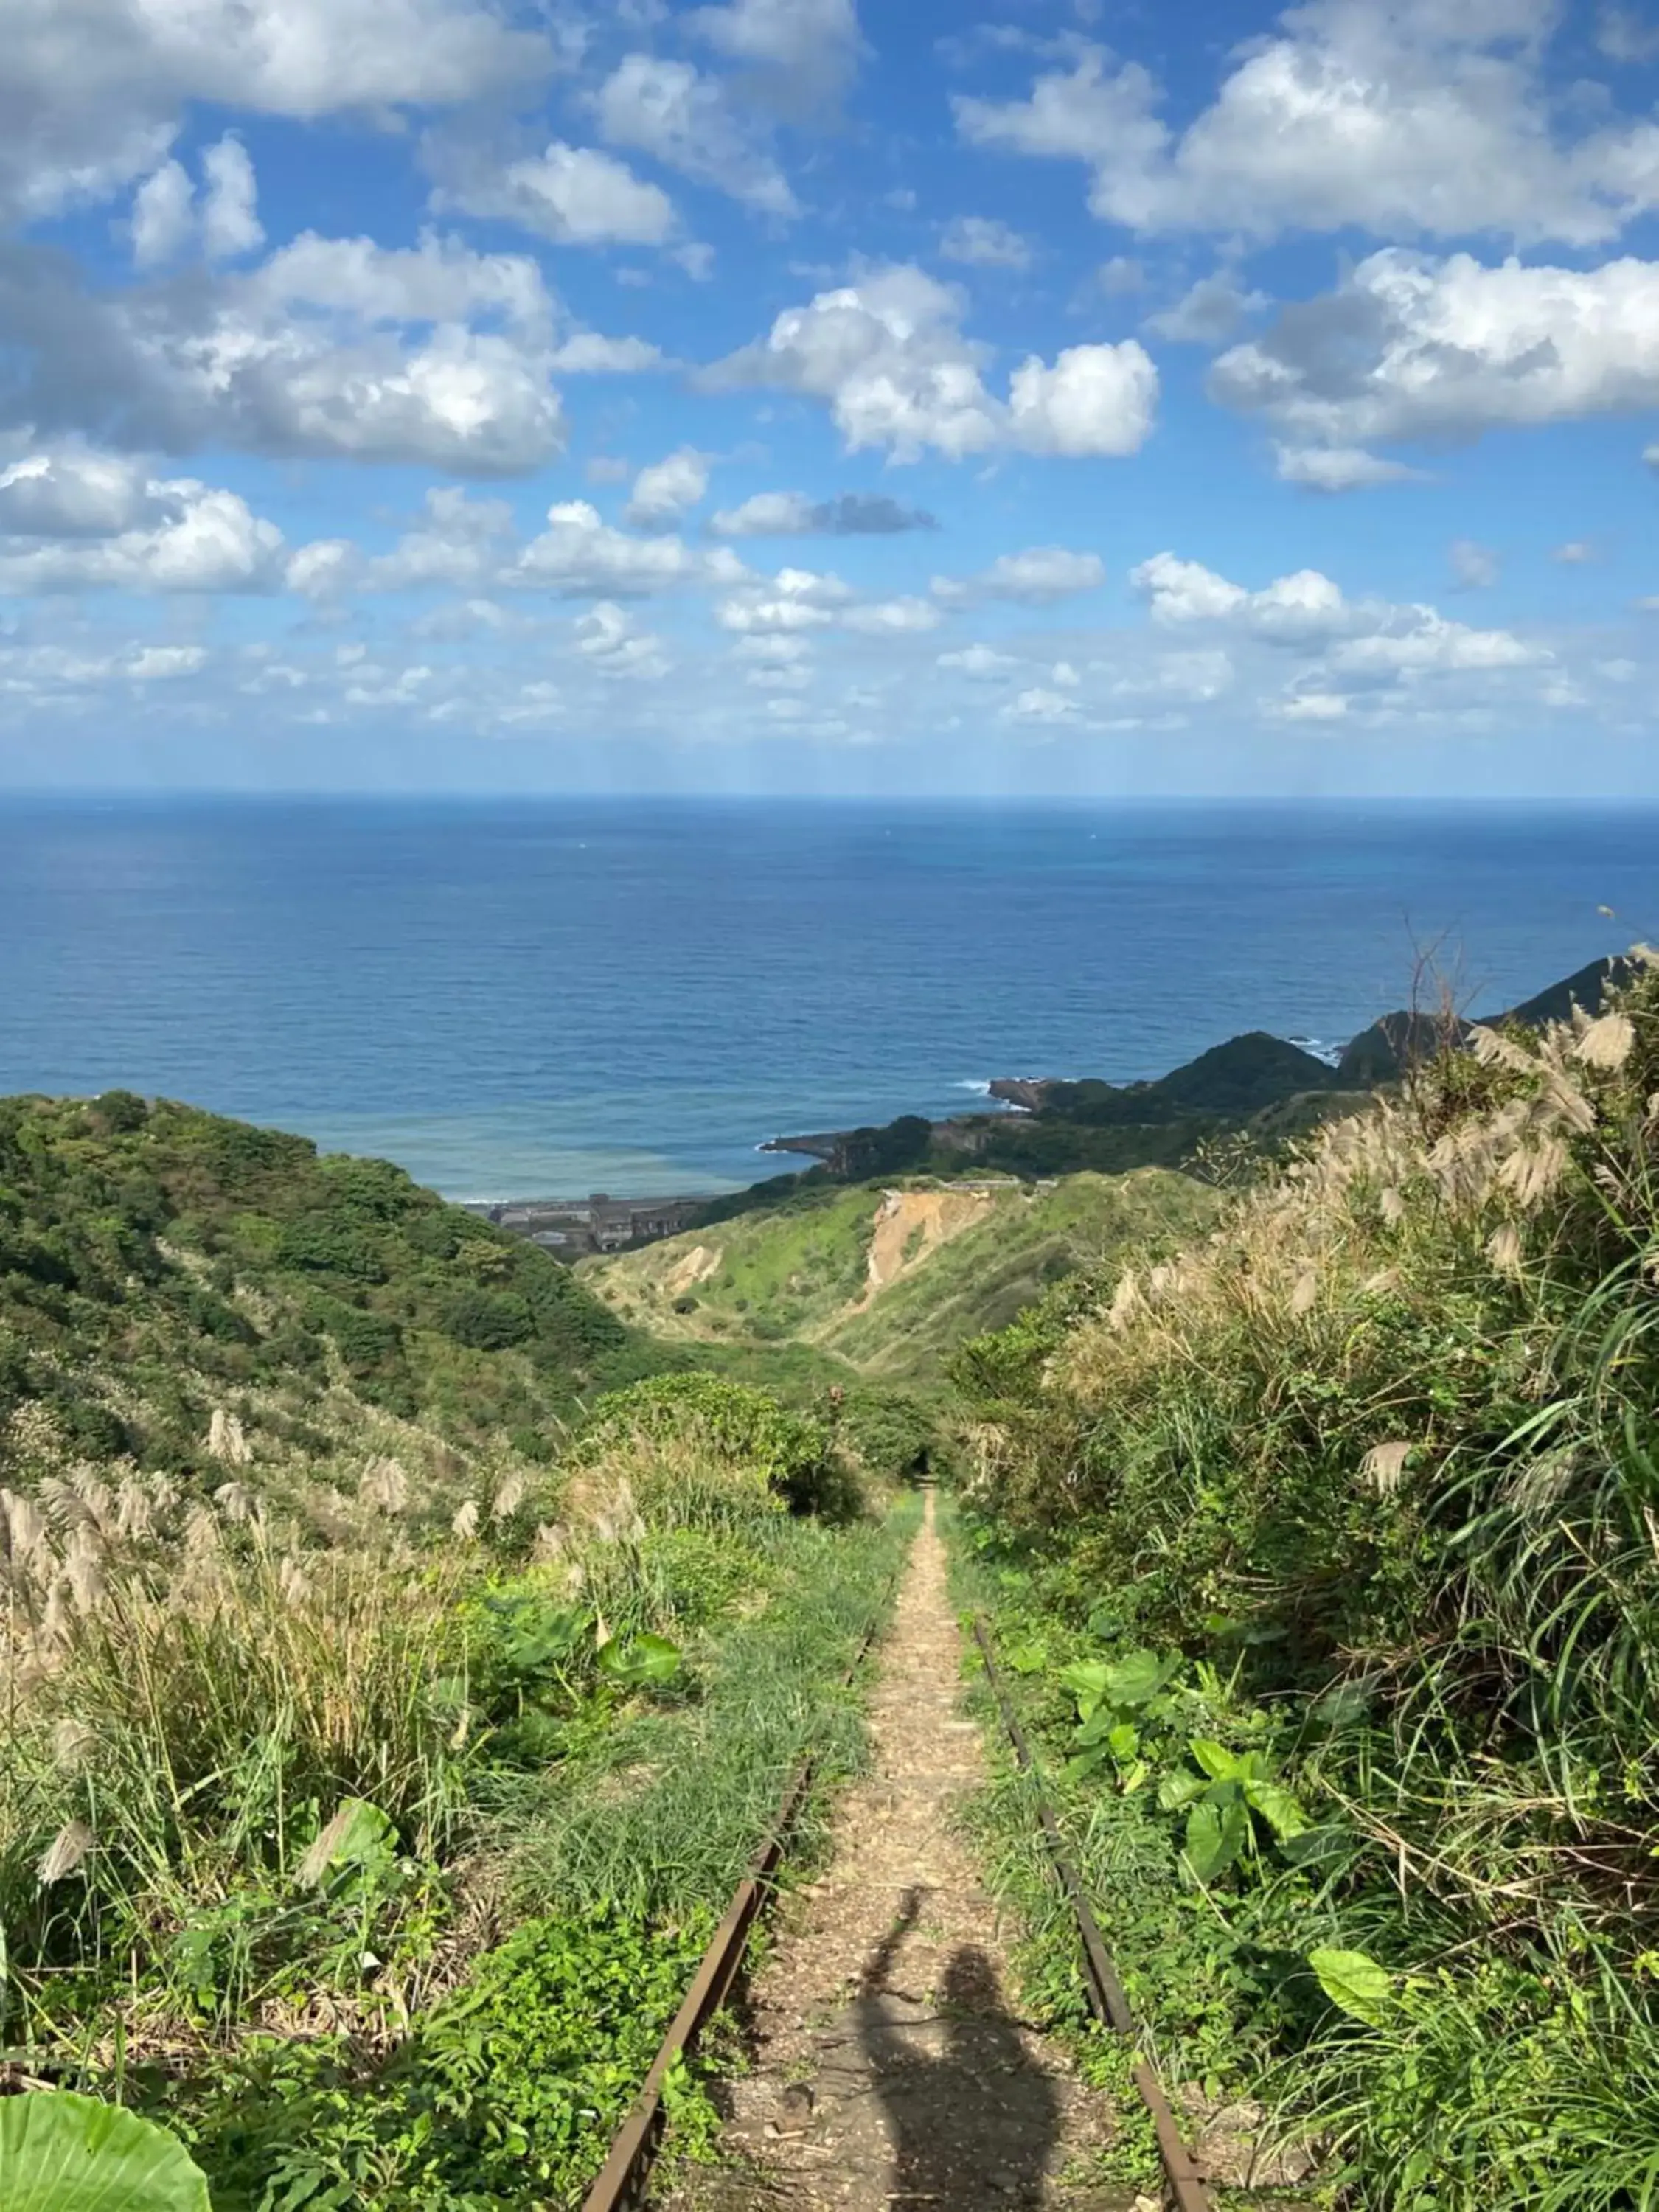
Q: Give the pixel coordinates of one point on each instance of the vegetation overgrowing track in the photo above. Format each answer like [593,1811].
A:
[620,2183]
[1105,1992]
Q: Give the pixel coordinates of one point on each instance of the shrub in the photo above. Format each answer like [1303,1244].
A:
[743,1430]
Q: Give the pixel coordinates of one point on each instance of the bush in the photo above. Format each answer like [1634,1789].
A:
[487,1321]
[746,1431]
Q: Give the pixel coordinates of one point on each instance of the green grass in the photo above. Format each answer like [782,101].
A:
[1374,1468]
[800,1272]
[983,1279]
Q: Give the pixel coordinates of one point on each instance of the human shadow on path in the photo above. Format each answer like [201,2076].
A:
[972,2119]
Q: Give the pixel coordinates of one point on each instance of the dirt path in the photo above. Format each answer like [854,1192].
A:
[892,2071]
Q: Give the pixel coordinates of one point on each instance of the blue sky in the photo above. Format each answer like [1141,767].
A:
[770,395]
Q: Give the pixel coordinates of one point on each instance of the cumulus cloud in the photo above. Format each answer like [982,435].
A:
[793,514]
[171,535]
[985,243]
[1415,347]
[1037,577]
[167,219]
[89,108]
[890,358]
[682,118]
[73,491]
[892,617]
[806,50]
[1208,311]
[579,554]
[332,347]
[1414,119]
[1041,704]
[611,641]
[983,662]
[1365,641]
[573,195]
[1339,468]
[667,490]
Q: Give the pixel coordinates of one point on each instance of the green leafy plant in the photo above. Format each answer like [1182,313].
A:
[61,2152]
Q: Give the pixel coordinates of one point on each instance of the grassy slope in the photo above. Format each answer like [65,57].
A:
[1376,1468]
[157,1264]
[802,1270]
[380,1833]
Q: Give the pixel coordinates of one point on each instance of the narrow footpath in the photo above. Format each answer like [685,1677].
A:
[891,2070]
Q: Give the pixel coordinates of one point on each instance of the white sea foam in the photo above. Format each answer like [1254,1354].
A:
[1319,1048]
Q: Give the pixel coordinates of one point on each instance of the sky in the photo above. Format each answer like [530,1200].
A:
[799,395]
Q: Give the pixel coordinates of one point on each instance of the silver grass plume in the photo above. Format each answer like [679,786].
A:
[466,1523]
[1384,1464]
[66,1854]
[1607,1042]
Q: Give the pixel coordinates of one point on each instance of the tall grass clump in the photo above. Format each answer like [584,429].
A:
[1380,1458]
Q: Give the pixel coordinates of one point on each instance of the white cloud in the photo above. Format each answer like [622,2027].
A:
[1039,704]
[1096,399]
[608,638]
[667,490]
[1413,347]
[575,195]
[460,542]
[889,357]
[1310,707]
[1650,455]
[1423,643]
[1036,577]
[1208,311]
[74,490]
[163,216]
[1338,467]
[794,600]
[88,105]
[585,353]
[1412,118]
[672,110]
[1299,609]
[1576,552]
[230,223]
[579,553]
[983,662]
[892,617]
[792,515]
[199,539]
[810,46]
[985,243]
[333,347]
[152,664]
[1474,567]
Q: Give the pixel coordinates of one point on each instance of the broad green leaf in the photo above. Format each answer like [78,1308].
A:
[1355,1984]
[1028,1659]
[60,2152]
[1136,1679]
[360,1839]
[1086,1680]
[1318,1847]
[1178,1788]
[1215,1835]
[1217,1761]
[1124,1741]
[639,1662]
[1277,1806]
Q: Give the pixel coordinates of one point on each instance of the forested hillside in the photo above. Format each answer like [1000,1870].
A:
[158,1264]
[1325,1555]
[392,1689]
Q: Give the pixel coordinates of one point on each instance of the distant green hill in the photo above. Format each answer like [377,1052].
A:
[889,1280]
[158,1264]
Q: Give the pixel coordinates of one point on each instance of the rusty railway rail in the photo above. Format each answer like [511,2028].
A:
[620,2183]
[1107,2002]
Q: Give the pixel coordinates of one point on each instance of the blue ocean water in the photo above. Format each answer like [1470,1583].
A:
[549,996]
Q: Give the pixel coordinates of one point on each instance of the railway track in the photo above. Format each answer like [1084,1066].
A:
[622,2181]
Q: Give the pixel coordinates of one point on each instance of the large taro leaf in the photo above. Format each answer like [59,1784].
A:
[1215,1834]
[63,2152]
[1355,1984]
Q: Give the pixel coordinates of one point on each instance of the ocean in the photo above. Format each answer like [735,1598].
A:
[549,997]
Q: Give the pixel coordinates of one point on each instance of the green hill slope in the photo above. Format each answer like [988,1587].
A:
[158,1264]
[890,1279]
